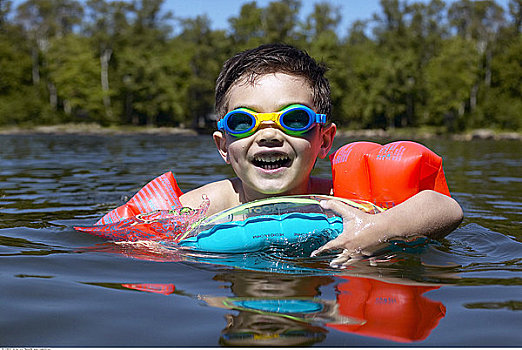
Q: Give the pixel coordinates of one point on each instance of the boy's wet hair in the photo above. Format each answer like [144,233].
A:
[273,58]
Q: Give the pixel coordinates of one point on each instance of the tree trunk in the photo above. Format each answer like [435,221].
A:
[36,67]
[67,108]
[473,97]
[53,95]
[487,78]
[105,57]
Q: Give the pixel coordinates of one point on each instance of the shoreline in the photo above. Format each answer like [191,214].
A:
[95,129]
[409,133]
[412,133]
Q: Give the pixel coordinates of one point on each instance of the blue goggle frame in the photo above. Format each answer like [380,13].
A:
[294,120]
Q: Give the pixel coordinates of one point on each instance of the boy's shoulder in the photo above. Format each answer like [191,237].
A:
[222,194]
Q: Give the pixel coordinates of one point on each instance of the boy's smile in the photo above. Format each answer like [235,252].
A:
[270,161]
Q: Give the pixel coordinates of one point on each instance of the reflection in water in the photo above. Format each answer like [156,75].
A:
[251,329]
[273,310]
[364,306]
[159,288]
[282,310]
[287,308]
[393,311]
[143,250]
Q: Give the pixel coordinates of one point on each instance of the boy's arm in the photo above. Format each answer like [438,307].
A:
[428,213]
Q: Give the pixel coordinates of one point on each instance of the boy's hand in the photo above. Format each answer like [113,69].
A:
[360,231]
[428,213]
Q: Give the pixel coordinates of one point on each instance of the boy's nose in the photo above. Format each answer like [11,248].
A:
[269,132]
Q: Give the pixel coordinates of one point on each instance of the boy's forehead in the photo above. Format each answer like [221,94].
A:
[270,92]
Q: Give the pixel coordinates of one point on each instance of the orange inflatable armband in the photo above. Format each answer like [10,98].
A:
[386,175]
[162,193]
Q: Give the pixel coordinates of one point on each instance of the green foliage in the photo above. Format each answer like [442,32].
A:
[450,75]
[75,71]
[502,107]
[415,63]
[247,28]
[14,65]
[20,101]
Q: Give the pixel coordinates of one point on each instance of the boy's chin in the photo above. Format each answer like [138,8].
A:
[274,188]
[278,183]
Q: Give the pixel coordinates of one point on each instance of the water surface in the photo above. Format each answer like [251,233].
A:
[65,288]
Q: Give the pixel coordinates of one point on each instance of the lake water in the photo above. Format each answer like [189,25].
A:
[60,287]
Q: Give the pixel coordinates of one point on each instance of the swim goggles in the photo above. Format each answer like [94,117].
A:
[294,120]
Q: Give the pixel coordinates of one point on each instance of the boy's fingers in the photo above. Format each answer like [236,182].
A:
[319,250]
[333,244]
[339,208]
[345,259]
[332,204]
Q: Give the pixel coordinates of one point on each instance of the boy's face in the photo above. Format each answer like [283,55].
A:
[269,161]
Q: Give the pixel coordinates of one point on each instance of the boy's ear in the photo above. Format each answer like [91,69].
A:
[327,137]
[221,144]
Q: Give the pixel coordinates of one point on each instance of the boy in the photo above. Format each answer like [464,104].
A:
[272,157]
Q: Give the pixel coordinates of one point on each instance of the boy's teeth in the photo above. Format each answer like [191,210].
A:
[271,161]
[268,158]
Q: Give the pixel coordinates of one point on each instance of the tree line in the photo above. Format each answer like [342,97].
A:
[449,67]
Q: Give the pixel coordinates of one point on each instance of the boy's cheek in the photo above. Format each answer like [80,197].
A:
[313,137]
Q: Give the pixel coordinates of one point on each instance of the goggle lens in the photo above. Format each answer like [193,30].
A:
[296,119]
[240,121]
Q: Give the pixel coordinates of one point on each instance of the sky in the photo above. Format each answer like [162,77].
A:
[219,11]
